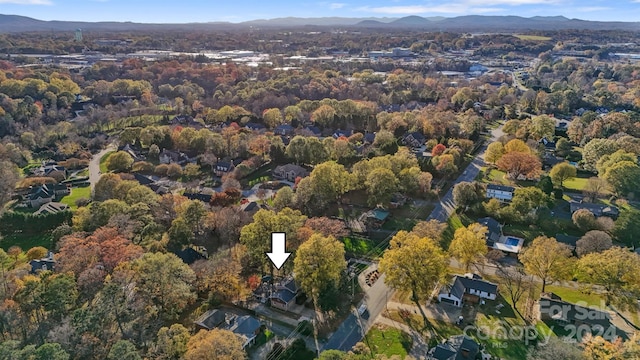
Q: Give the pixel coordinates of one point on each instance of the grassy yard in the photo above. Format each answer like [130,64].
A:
[361,246]
[577,183]
[103,162]
[575,295]
[454,222]
[388,341]
[442,329]
[76,193]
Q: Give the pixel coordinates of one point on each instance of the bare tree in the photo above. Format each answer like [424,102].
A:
[594,241]
[595,188]
[516,283]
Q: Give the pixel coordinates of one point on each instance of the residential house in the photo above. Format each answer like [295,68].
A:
[500,192]
[494,230]
[290,172]
[46,193]
[284,295]
[186,120]
[598,210]
[284,130]
[459,347]
[569,240]
[342,133]
[246,327]
[206,198]
[313,130]
[133,152]
[414,139]
[223,167]
[255,127]
[192,254]
[50,170]
[469,288]
[45,264]
[144,179]
[369,138]
[170,157]
[550,307]
[397,200]
[51,208]
[549,146]
[375,218]
[211,319]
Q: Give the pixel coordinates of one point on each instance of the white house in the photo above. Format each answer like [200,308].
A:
[468,288]
[500,192]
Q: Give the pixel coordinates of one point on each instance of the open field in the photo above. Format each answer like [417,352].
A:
[76,193]
[533,37]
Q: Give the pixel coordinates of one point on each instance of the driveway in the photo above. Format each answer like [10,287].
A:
[94,165]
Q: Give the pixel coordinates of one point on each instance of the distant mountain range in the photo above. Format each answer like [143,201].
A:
[16,23]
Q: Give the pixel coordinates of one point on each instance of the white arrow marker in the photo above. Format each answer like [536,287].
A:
[278,255]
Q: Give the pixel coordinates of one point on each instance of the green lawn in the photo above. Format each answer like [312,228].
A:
[575,295]
[76,193]
[576,184]
[361,246]
[388,341]
[103,162]
[454,222]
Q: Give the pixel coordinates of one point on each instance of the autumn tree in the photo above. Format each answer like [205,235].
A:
[494,152]
[594,241]
[257,235]
[556,348]
[272,117]
[119,161]
[319,264]
[105,187]
[595,188]
[547,259]
[469,245]
[431,229]
[624,177]
[327,226]
[171,343]
[627,227]
[466,194]
[413,264]
[516,145]
[123,350]
[562,172]
[542,126]
[516,164]
[584,220]
[381,183]
[617,271]
[214,344]
[164,282]
[283,198]
[9,176]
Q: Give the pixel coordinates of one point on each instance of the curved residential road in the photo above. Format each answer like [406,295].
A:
[94,165]
[445,207]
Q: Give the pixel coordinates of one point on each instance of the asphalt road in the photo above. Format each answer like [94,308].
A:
[445,207]
[351,330]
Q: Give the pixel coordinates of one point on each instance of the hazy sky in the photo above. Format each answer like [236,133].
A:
[167,11]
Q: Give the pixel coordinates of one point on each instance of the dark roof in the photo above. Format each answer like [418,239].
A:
[501,187]
[555,308]
[596,209]
[567,239]
[251,206]
[548,143]
[458,347]
[283,295]
[223,165]
[369,137]
[245,325]
[190,255]
[457,289]
[339,133]
[143,179]
[492,225]
[196,196]
[42,264]
[477,284]
[254,126]
[314,129]
[283,129]
[416,136]
[211,319]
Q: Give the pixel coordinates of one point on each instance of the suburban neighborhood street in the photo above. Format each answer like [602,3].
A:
[445,207]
